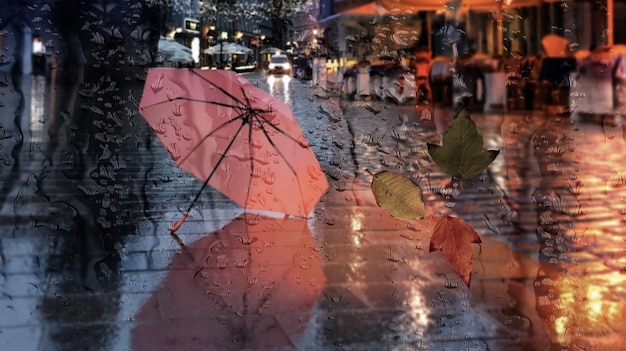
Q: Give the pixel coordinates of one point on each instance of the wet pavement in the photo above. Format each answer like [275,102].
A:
[87,261]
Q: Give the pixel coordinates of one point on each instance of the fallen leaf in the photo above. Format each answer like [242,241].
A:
[461,155]
[454,237]
[398,195]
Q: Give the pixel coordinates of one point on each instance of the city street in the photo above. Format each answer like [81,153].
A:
[87,262]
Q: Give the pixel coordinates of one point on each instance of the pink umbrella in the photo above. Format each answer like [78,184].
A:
[251,285]
[229,133]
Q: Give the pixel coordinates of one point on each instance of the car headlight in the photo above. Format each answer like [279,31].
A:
[287,66]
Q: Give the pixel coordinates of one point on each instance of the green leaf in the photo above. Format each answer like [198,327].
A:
[461,155]
[398,195]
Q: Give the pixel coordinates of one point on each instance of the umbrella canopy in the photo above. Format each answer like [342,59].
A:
[236,137]
[227,49]
[251,285]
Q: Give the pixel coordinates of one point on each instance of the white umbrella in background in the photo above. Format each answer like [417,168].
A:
[228,48]
[171,51]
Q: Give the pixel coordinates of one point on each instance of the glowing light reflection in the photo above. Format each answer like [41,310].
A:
[37,110]
[419,309]
[356,223]
[582,295]
[590,306]
[279,87]
[589,298]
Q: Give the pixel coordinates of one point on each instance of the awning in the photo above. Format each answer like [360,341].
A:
[227,48]
[491,5]
[456,7]
[174,52]
[413,6]
[370,9]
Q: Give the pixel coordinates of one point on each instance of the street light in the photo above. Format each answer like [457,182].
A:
[261,52]
[210,41]
[223,36]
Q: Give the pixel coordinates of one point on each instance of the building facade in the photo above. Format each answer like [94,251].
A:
[306,31]
[491,29]
[362,29]
[201,24]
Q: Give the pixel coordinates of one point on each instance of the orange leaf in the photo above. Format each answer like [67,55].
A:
[454,237]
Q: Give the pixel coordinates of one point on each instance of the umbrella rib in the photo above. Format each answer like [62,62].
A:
[243,92]
[277,149]
[251,161]
[204,138]
[255,111]
[293,170]
[276,128]
[207,180]
[214,103]
[217,86]
[239,106]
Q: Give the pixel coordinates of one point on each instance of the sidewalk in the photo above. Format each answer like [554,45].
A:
[434,309]
[570,169]
[67,283]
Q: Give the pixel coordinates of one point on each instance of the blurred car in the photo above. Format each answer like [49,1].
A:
[279,64]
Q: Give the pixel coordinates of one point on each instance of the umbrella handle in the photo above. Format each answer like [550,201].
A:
[179,223]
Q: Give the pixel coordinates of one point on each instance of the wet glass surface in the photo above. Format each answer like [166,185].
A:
[89,192]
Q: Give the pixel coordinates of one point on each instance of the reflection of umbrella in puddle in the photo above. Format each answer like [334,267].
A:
[234,136]
[555,45]
[250,285]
